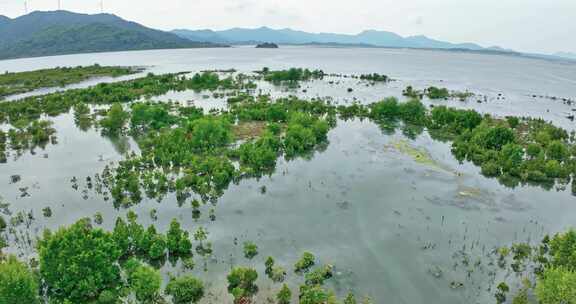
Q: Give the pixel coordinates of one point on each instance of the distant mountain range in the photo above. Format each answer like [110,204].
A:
[288,36]
[63,32]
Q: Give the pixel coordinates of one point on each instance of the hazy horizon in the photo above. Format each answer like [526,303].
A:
[522,25]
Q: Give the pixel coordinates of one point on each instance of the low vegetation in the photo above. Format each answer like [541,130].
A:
[375,77]
[84,264]
[548,269]
[197,155]
[291,76]
[23,82]
[435,93]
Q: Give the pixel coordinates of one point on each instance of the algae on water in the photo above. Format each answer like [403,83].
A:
[419,155]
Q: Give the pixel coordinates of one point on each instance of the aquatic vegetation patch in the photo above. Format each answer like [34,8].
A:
[375,77]
[195,153]
[436,93]
[544,270]
[23,82]
[290,77]
[32,108]
[420,156]
[84,264]
[38,134]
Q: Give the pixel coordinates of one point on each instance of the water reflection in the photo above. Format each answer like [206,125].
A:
[396,229]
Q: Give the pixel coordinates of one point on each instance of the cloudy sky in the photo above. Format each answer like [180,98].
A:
[544,26]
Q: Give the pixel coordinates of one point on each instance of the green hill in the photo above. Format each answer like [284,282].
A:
[62,32]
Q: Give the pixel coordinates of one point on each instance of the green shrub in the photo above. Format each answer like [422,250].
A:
[555,286]
[115,119]
[145,282]
[178,240]
[250,250]
[490,169]
[185,290]
[315,294]
[79,262]
[241,282]
[437,93]
[305,262]
[17,283]
[284,295]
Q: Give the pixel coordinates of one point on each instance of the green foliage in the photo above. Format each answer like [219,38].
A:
[350,299]
[521,297]
[511,156]
[454,120]
[277,274]
[553,169]
[305,262]
[303,133]
[375,77]
[292,75]
[513,121]
[32,108]
[3,224]
[298,140]
[413,111]
[492,137]
[145,282]
[241,282]
[315,294]
[502,290]
[556,285]
[284,295]
[188,263]
[185,289]
[79,262]
[386,109]
[178,240]
[269,263]
[201,234]
[437,93]
[108,297]
[490,169]
[17,283]
[250,250]
[261,155]
[178,146]
[208,176]
[115,119]
[557,150]
[157,247]
[410,92]
[204,81]
[147,116]
[318,276]
[121,235]
[209,133]
[36,134]
[563,250]
[22,82]
[533,150]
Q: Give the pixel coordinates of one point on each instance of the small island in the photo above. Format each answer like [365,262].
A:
[267,45]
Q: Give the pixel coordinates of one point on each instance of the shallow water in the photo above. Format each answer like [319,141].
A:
[384,220]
